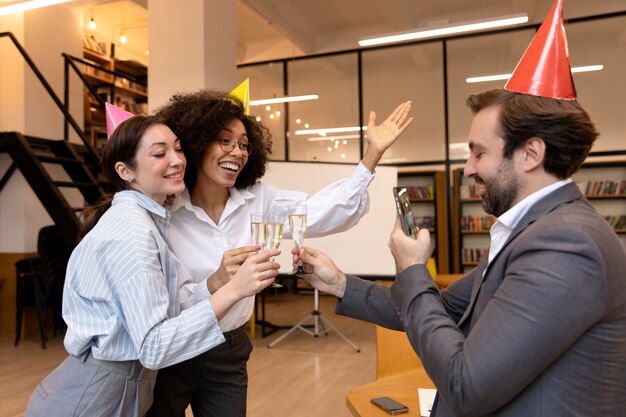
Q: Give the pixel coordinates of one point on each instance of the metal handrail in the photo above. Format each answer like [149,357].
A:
[68,117]
[70,62]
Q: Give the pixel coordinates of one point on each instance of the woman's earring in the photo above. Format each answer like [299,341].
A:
[131,179]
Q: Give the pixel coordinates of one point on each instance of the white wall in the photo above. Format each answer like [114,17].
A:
[191,47]
[26,107]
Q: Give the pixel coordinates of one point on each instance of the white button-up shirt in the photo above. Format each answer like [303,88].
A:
[122,298]
[199,243]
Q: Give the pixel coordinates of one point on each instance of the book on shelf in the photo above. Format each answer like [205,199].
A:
[425,222]
[477,223]
[617,222]
[602,188]
[420,192]
[473,255]
[93,44]
[469,191]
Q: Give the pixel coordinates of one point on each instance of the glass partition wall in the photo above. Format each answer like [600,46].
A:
[433,74]
[436,76]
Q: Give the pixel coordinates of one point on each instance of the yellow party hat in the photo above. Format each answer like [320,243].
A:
[242,92]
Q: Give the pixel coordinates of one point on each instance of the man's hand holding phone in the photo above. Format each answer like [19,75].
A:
[408,250]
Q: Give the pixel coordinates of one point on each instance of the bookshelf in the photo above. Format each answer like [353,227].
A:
[603,184]
[470,224]
[122,83]
[427,192]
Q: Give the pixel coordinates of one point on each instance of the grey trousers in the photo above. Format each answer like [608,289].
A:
[85,386]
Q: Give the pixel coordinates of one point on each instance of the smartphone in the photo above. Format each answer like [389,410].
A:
[405,213]
[390,405]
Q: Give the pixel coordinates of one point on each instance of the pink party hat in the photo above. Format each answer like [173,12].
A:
[544,69]
[115,116]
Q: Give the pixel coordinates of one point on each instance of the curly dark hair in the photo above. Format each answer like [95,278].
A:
[197,118]
[563,125]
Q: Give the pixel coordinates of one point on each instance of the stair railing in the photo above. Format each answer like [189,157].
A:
[64,109]
[71,62]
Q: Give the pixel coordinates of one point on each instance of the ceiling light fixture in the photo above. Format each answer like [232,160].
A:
[284,99]
[92,23]
[498,77]
[28,5]
[329,130]
[447,30]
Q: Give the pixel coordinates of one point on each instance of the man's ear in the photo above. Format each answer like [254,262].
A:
[124,172]
[534,153]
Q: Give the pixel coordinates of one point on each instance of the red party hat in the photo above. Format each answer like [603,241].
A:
[545,70]
[115,116]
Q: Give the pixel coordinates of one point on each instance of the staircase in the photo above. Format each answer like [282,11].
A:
[34,156]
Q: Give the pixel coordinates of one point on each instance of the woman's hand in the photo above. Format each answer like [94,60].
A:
[381,137]
[256,273]
[231,262]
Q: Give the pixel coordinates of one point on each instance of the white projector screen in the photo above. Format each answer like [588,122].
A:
[361,250]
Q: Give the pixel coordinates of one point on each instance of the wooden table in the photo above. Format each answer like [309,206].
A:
[401,387]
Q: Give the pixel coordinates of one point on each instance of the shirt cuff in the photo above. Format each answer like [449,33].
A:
[362,176]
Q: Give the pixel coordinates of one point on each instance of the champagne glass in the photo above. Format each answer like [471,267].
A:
[257,227]
[274,225]
[266,233]
[297,223]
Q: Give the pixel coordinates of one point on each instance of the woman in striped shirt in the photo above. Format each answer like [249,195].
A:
[129,305]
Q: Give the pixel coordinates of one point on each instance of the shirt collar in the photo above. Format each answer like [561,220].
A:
[513,215]
[237,196]
[143,201]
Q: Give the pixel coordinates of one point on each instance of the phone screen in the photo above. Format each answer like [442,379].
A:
[403,204]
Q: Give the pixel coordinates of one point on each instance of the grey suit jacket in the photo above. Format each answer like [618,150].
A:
[541,334]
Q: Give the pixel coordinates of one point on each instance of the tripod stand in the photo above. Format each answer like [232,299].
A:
[319,321]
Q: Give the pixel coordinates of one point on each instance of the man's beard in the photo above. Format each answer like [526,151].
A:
[501,189]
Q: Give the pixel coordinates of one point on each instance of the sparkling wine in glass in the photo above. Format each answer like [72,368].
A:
[297,224]
[274,225]
[257,227]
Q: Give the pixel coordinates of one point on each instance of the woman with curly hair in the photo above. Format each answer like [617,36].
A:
[227,152]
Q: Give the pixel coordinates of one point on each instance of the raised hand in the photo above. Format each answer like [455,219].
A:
[381,137]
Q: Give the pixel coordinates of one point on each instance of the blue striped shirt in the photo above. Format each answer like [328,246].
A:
[121,291]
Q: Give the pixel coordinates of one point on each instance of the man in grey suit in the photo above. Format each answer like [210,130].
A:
[539,327]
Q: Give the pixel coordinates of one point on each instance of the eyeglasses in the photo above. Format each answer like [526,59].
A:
[228,145]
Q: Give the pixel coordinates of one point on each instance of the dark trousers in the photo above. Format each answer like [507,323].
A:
[214,383]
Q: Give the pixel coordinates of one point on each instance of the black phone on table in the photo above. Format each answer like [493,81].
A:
[403,205]
[390,405]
